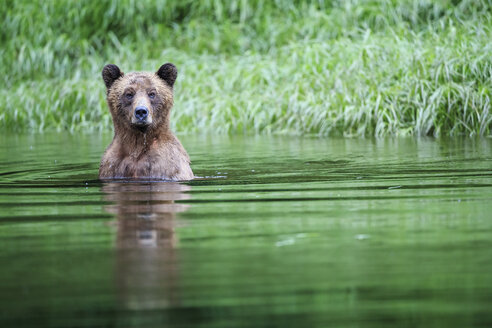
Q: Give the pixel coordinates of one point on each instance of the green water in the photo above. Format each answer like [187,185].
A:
[277,232]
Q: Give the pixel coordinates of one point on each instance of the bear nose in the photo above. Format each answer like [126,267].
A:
[141,113]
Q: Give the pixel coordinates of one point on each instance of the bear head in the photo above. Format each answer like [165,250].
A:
[140,101]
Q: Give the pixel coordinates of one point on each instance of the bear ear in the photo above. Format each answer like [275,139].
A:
[168,72]
[111,73]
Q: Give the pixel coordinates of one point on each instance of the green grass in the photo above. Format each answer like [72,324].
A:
[357,67]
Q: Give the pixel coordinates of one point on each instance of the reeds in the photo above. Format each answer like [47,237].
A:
[297,67]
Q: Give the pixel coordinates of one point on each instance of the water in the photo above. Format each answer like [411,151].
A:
[277,232]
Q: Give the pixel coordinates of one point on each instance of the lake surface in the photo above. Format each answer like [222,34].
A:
[276,232]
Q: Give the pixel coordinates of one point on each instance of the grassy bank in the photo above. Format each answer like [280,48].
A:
[312,67]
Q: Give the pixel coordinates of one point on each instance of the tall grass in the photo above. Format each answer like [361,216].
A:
[357,67]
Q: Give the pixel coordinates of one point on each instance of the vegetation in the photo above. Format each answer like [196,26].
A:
[355,67]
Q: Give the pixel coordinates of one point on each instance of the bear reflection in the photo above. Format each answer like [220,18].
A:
[146,256]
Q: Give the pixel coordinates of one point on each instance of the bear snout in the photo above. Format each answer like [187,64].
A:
[141,113]
[141,116]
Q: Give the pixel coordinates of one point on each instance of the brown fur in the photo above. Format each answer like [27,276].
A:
[152,152]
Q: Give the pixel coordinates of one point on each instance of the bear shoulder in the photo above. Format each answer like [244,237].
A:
[166,159]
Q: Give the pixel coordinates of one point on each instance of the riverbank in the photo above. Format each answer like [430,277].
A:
[355,68]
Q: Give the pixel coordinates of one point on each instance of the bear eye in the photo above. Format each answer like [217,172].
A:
[129,95]
[151,95]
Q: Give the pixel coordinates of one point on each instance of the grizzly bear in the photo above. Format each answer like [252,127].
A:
[143,145]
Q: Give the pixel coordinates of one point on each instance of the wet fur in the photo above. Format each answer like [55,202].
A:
[150,153]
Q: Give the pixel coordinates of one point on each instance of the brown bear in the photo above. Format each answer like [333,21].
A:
[143,145]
